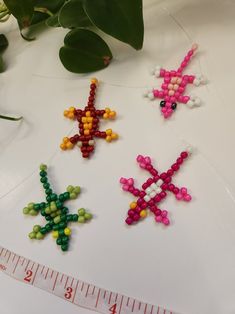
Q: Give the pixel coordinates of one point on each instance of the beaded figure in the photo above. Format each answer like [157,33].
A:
[88,123]
[154,190]
[55,213]
[174,85]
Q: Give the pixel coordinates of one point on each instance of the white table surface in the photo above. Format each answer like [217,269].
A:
[188,267]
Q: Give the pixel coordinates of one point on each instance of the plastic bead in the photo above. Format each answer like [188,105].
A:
[55,213]
[172,90]
[154,190]
[88,119]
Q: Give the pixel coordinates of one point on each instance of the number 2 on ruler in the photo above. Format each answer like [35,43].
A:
[28,275]
[68,294]
[113,308]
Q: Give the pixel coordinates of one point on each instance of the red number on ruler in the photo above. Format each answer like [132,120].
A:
[113,308]
[68,294]
[29,275]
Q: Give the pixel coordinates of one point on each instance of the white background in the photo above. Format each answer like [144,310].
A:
[188,267]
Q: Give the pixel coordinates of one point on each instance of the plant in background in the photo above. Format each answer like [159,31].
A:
[83,50]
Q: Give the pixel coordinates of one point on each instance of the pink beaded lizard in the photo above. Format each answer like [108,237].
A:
[172,90]
[154,190]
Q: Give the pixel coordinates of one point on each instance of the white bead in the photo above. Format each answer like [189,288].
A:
[196,82]
[79,144]
[152,194]
[148,190]
[157,73]
[91,142]
[150,96]
[189,150]
[159,190]
[197,101]
[159,182]
[190,103]
[153,186]
[147,198]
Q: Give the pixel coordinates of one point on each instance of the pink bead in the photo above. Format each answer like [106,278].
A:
[173,99]
[190,53]
[167,105]
[167,73]
[158,218]
[157,198]
[130,181]
[131,189]
[181,89]
[187,198]
[142,165]
[165,92]
[125,187]
[158,212]
[167,98]
[136,192]
[171,92]
[166,221]
[173,73]
[186,77]
[178,73]
[187,58]
[144,186]
[171,187]
[176,190]
[161,94]
[155,93]
[183,83]
[163,110]
[131,213]
[154,172]
[177,94]
[179,196]
[191,78]
[167,80]
[164,86]
[123,180]
[183,190]
[163,194]
[149,167]
[162,72]
[147,160]
[170,172]
[139,158]
[184,64]
[142,194]
[164,213]
[136,217]
[185,99]
[180,98]
[129,221]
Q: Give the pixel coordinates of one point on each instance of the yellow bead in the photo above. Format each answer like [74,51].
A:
[65,140]
[55,234]
[69,145]
[143,213]
[84,119]
[108,138]
[86,126]
[63,146]
[114,136]
[66,113]
[70,115]
[67,231]
[88,114]
[109,131]
[107,110]
[86,132]
[90,126]
[112,114]
[72,109]
[89,119]
[94,80]
[105,116]
[133,205]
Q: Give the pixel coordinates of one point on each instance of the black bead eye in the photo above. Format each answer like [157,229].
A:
[173,106]
[162,103]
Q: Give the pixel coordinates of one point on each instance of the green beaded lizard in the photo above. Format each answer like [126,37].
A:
[55,213]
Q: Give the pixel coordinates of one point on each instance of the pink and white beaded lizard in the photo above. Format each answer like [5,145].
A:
[173,88]
[154,190]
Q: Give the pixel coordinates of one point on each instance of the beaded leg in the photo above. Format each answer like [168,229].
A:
[154,190]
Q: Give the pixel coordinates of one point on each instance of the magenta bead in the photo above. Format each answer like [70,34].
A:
[164,213]
[144,186]
[171,187]
[123,180]
[175,167]
[187,198]
[142,194]
[151,203]
[139,158]
[156,93]
[163,194]
[131,189]
[129,221]
[176,190]
[131,212]
[125,187]
[149,167]
[140,201]
[157,198]
[183,190]
[170,172]
[158,218]
[167,180]
[136,217]
[136,192]
[179,196]
[154,172]
[166,221]
[164,186]
[162,72]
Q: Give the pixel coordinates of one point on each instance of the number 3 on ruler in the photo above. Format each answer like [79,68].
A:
[28,275]
[68,294]
[113,308]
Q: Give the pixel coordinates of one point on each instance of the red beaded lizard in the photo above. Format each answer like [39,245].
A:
[173,87]
[154,190]
[88,125]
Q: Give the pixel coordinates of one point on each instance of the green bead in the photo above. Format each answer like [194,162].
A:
[31,205]
[66,195]
[43,179]
[39,236]
[59,241]
[61,197]
[72,196]
[48,210]
[43,167]
[57,219]
[59,204]
[48,227]
[42,205]
[26,210]
[63,218]
[37,206]
[58,212]
[70,189]
[81,219]
[61,232]
[54,197]
[43,213]
[64,210]
[69,217]
[55,227]
[64,247]
[62,225]
[88,216]
[32,235]
[48,191]
[54,214]
[77,189]
[43,230]
[48,198]
[43,173]
[48,217]
[64,240]
[46,185]
[36,228]
[81,212]
[33,212]
[75,217]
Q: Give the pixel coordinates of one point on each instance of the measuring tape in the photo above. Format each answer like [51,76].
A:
[71,289]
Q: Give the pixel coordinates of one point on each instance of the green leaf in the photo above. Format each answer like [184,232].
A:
[72,15]
[2,68]
[122,19]
[3,43]
[84,51]
[53,21]
[22,10]
[53,6]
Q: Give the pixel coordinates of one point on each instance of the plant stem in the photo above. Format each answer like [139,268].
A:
[43,10]
[10,118]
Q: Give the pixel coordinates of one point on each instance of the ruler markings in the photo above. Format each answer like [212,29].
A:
[46,273]
[55,281]
[93,290]
[87,290]
[75,291]
[13,258]
[61,279]
[133,306]
[9,257]
[97,299]
[110,296]
[67,278]
[16,264]
[121,305]
[35,273]
[151,310]
[27,265]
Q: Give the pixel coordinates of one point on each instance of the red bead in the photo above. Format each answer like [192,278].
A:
[184,155]
[131,213]
[85,155]
[171,187]
[176,190]
[179,160]
[154,172]
[142,194]
[93,86]
[163,176]
[167,180]
[129,221]
[92,93]
[91,98]
[136,217]
[175,167]
[164,186]
[163,194]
